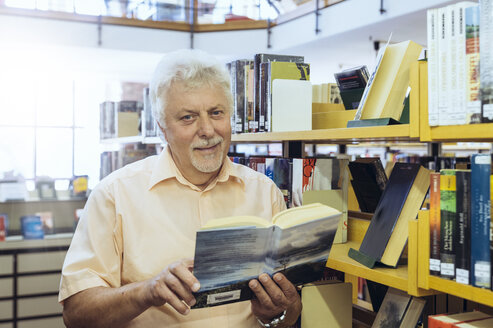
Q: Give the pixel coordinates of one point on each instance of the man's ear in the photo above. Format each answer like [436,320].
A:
[162,130]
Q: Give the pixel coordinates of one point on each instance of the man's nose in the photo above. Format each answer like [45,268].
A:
[206,127]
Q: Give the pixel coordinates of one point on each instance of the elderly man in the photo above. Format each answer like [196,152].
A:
[129,264]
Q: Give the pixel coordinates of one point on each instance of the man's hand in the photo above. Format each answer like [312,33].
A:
[174,285]
[273,296]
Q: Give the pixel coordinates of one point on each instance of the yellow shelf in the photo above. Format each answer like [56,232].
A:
[343,135]
[475,294]
[471,132]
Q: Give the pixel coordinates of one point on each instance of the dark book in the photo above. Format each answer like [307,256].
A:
[352,83]
[480,220]
[239,81]
[231,251]
[280,171]
[263,58]
[463,227]
[435,223]
[400,202]
[392,310]
[448,210]
[412,316]
[368,181]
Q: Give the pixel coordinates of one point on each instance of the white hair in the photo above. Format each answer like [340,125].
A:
[192,68]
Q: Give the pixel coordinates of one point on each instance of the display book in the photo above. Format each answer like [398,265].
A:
[453,37]
[352,83]
[401,200]
[231,251]
[382,102]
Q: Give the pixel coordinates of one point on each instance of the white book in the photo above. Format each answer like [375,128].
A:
[452,110]
[473,103]
[443,69]
[486,62]
[432,38]
[291,105]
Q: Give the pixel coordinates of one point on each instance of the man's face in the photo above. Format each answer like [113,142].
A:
[198,130]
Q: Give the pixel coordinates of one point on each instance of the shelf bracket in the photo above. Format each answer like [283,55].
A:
[100,30]
[269,32]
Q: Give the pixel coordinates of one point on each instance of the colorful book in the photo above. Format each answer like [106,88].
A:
[449,320]
[480,220]
[231,251]
[447,223]
[463,227]
[435,223]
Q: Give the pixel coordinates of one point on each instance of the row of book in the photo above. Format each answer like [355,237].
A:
[113,160]
[460,223]
[460,85]
[252,86]
[119,119]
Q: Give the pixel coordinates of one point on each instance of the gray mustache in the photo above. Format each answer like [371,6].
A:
[207,142]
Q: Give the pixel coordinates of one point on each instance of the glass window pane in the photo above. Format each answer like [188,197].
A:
[54,152]
[87,154]
[89,93]
[17,99]
[17,151]
[27,4]
[55,102]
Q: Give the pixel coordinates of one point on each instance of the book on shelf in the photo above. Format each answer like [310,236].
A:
[352,83]
[447,223]
[486,62]
[368,179]
[400,202]
[326,93]
[432,40]
[449,320]
[291,105]
[231,251]
[435,223]
[280,171]
[480,220]
[149,127]
[326,304]
[392,310]
[3,226]
[413,313]
[239,70]
[443,65]
[386,89]
[271,71]
[258,123]
[470,82]
[463,227]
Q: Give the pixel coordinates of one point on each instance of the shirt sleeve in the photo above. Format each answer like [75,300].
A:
[94,256]
[278,203]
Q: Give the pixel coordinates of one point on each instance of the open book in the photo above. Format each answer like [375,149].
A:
[231,251]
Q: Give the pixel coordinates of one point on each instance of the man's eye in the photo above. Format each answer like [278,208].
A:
[217,112]
[186,118]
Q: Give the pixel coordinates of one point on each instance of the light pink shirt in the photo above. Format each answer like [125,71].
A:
[143,217]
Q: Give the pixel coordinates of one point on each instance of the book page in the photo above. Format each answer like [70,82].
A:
[305,213]
[236,221]
[226,256]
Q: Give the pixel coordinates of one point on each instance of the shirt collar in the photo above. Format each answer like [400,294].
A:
[165,168]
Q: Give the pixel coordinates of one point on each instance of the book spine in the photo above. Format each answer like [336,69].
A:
[486,62]
[461,63]
[447,223]
[250,102]
[432,33]
[435,224]
[443,69]
[463,227]
[454,114]
[263,95]
[480,220]
[473,103]
[491,226]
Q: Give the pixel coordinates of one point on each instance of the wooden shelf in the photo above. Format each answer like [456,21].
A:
[343,135]
[122,140]
[475,294]
[470,132]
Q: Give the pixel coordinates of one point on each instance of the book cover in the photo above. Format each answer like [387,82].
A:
[432,40]
[447,223]
[400,202]
[391,312]
[3,226]
[239,87]
[229,252]
[388,88]
[463,227]
[443,65]
[473,103]
[413,312]
[486,62]
[249,112]
[480,220]
[368,181]
[352,83]
[291,105]
[272,71]
[455,115]
[327,304]
[435,223]
[480,323]
[262,58]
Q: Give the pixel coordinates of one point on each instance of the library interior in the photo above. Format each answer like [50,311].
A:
[361,131]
